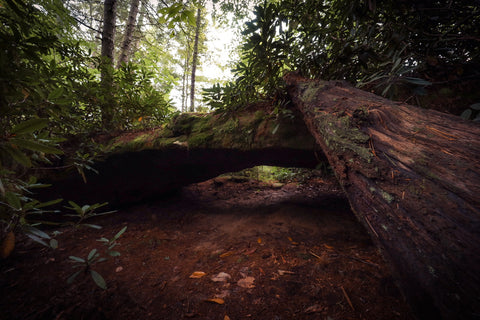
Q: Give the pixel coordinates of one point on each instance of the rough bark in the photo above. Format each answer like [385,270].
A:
[106,66]
[195,59]
[128,38]
[412,177]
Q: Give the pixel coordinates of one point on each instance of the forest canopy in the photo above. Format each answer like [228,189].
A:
[73,69]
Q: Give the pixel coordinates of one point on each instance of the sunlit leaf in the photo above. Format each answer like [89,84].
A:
[197,274]
[216,300]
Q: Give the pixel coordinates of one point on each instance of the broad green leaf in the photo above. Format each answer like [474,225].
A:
[37,239]
[30,126]
[18,156]
[49,203]
[77,259]
[13,200]
[73,276]
[120,233]
[35,146]
[98,279]
[74,205]
[417,81]
[37,232]
[191,17]
[475,106]
[55,94]
[53,243]
[275,129]
[466,114]
[114,253]
[91,254]
[93,226]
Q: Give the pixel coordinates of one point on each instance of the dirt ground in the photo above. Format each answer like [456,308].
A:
[222,249]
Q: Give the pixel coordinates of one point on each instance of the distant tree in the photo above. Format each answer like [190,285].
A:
[195,59]
[128,36]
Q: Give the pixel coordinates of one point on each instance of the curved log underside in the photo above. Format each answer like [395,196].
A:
[412,177]
[193,148]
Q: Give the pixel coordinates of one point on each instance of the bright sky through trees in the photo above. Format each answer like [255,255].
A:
[215,64]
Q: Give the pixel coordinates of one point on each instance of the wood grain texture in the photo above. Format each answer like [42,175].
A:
[412,177]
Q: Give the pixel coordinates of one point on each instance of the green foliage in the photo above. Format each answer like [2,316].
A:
[139,104]
[93,258]
[472,113]
[281,174]
[389,46]
[86,212]
[50,89]
[20,212]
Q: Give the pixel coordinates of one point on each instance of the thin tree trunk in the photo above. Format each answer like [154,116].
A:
[108,36]
[185,80]
[127,41]
[195,59]
[412,177]
[138,34]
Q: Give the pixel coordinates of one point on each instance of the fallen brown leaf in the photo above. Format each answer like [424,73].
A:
[314,309]
[216,300]
[246,282]
[197,274]
[226,254]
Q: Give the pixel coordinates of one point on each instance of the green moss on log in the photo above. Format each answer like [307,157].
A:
[245,131]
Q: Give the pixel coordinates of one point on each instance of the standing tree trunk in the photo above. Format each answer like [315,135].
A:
[195,59]
[106,65]
[138,34]
[412,177]
[127,41]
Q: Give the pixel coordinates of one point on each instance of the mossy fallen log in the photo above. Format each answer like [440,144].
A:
[412,177]
[191,148]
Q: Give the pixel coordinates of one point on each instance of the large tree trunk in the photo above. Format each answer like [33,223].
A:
[195,59]
[127,40]
[412,177]
[106,66]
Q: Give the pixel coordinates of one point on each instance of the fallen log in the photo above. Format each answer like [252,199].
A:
[412,177]
[143,165]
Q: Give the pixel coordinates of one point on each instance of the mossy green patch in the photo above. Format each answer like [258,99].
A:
[385,195]
[200,140]
[309,91]
[202,124]
[340,135]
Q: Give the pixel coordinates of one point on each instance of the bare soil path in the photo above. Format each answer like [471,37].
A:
[267,251]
